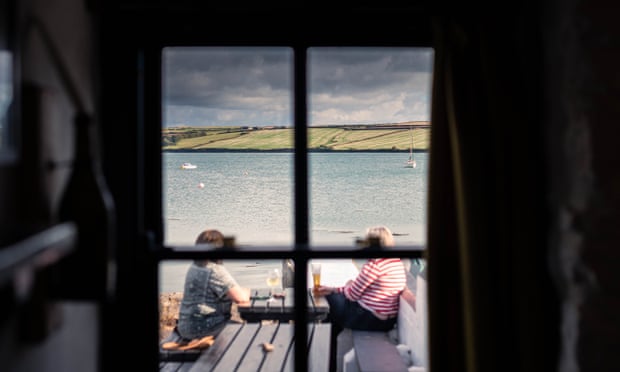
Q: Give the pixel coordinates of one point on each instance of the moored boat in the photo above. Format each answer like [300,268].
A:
[188,166]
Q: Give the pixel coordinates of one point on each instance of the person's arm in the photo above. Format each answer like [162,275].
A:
[239,295]
[226,286]
[324,290]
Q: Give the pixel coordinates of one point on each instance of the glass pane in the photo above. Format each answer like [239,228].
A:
[369,115]
[7,84]
[393,287]
[6,96]
[227,138]
[266,290]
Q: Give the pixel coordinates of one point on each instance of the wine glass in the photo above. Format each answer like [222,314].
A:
[273,280]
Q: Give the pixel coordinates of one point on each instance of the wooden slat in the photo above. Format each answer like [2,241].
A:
[289,363]
[170,366]
[177,355]
[236,351]
[211,356]
[375,352]
[282,343]
[175,366]
[186,367]
[319,353]
[255,354]
[319,335]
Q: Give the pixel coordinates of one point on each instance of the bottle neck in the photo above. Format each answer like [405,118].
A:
[85,145]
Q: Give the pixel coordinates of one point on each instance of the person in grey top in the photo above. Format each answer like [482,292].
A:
[208,294]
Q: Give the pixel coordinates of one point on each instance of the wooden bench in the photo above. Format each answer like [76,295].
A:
[376,351]
[239,347]
[176,355]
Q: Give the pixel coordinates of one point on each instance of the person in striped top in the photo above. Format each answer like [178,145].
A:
[370,301]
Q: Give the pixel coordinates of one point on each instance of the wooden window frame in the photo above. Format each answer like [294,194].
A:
[149,102]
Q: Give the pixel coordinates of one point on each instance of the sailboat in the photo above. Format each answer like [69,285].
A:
[411,161]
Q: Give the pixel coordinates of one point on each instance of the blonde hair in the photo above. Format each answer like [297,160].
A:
[382,233]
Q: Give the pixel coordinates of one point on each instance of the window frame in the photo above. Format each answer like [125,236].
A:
[150,103]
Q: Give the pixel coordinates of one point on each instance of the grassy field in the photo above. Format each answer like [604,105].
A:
[384,137]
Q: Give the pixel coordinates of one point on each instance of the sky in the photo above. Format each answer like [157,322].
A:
[215,86]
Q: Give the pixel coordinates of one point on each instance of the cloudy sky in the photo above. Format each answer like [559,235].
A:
[253,86]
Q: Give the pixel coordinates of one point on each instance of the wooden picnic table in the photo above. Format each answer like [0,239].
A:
[283,308]
[239,347]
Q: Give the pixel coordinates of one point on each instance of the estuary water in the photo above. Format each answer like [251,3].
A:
[249,195]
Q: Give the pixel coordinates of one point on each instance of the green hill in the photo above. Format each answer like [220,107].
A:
[376,137]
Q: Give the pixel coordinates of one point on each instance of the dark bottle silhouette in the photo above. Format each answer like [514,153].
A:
[88,273]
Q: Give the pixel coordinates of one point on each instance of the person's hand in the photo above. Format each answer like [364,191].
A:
[324,290]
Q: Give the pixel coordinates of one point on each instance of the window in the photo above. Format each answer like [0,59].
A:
[292,173]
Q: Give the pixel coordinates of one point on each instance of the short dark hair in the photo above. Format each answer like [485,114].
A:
[210,236]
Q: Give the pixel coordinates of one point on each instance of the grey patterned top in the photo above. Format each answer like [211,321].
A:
[205,307]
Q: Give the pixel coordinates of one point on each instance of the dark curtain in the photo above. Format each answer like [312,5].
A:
[492,305]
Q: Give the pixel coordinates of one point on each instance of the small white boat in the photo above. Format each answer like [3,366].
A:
[411,161]
[188,166]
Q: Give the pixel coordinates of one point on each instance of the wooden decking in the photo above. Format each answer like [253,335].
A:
[239,347]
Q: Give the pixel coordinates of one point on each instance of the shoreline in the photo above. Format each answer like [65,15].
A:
[292,150]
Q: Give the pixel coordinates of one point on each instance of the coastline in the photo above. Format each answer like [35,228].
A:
[348,138]
[311,150]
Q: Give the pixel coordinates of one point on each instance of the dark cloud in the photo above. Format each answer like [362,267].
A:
[214,77]
[252,86]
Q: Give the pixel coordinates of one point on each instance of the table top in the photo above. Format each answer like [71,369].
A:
[281,308]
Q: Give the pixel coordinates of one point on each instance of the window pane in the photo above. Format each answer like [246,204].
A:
[251,274]
[227,114]
[369,114]
[392,290]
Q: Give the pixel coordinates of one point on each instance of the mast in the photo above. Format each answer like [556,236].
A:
[411,163]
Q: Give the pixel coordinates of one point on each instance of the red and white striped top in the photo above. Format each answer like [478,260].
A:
[378,286]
